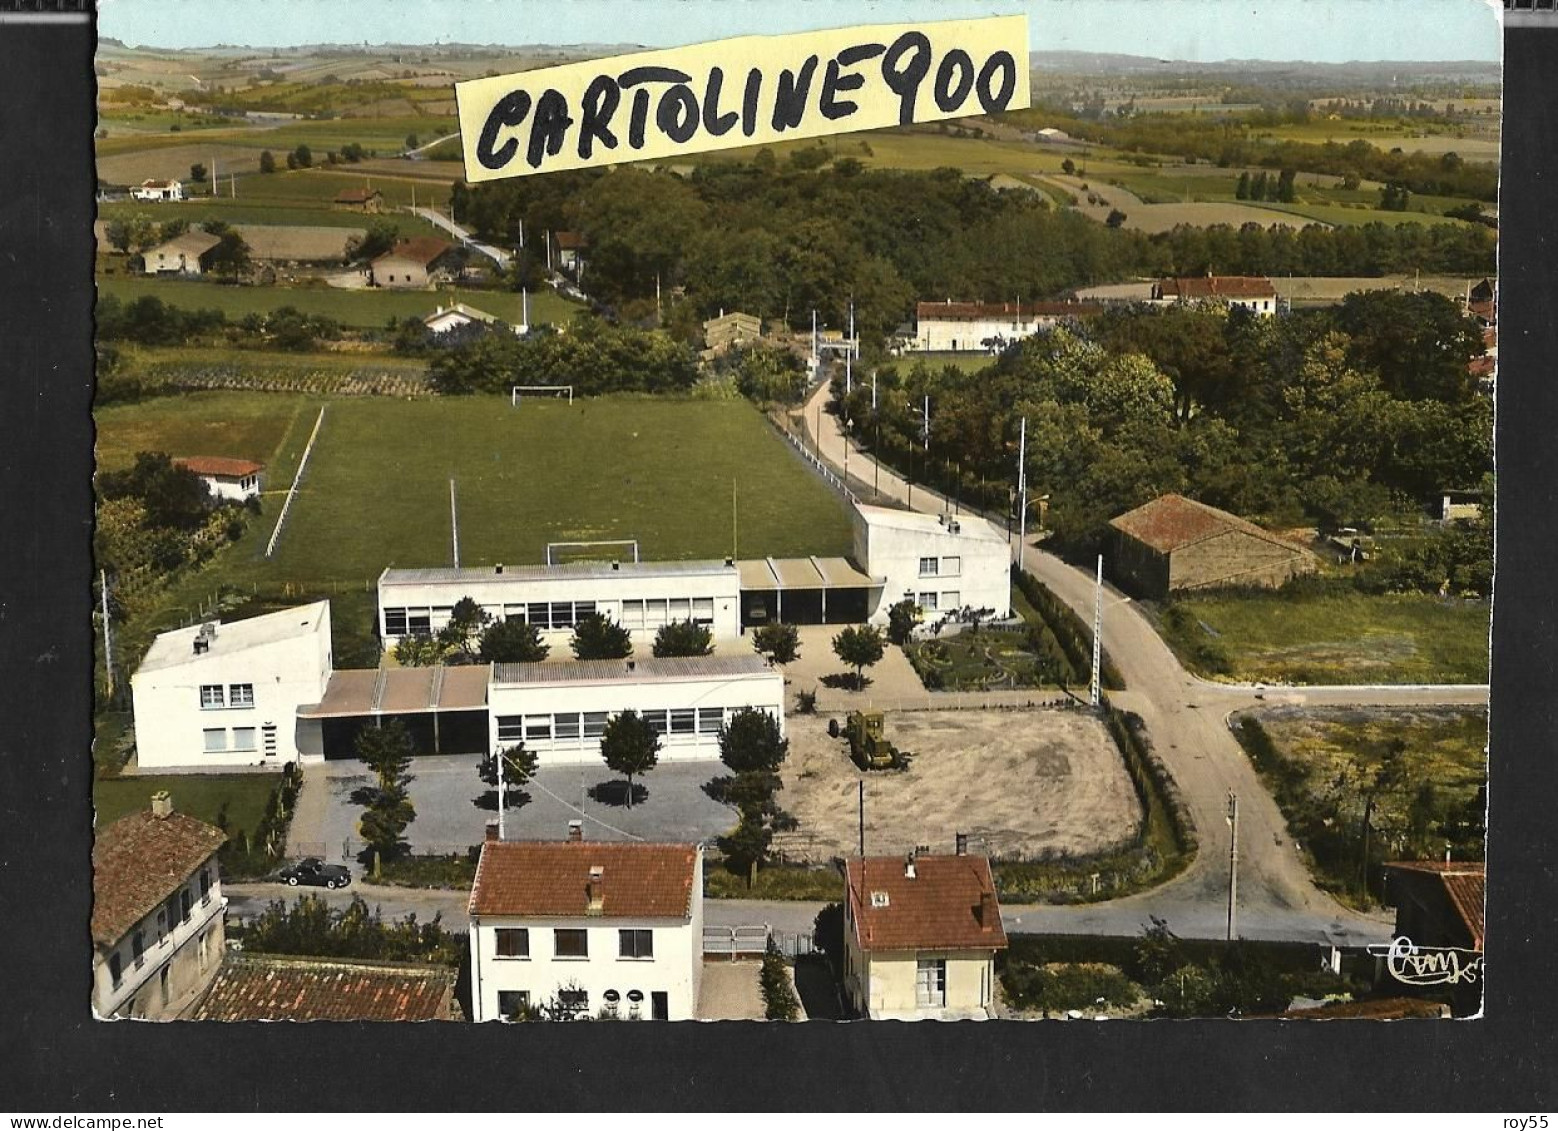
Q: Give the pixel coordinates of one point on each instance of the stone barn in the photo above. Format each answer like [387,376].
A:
[1174,543]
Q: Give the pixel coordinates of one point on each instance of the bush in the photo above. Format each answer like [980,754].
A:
[1074,638]
[779,1000]
[451,872]
[1061,987]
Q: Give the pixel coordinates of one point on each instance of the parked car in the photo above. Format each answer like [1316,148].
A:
[316,873]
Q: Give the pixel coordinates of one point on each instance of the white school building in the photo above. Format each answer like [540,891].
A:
[640,596]
[215,695]
[559,709]
[944,563]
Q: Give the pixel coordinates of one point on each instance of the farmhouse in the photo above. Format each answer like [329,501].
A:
[1253,293]
[943,563]
[217,695]
[730,331]
[640,596]
[236,479]
[559,709]
[414,262]
[276,987]
[458,317]
[188,254]
[578,928]
[1174,543]
[158,191]
[157,912]
[988,326]
[920,937]
[359,200]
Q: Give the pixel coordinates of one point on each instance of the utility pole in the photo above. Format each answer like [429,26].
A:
[733,527]
[524,308]
[862,784]
[1233,866]
[499,755]
[454,526]
[849,352]
[1022,489]
[848,424]
[108,641]
[1095,693]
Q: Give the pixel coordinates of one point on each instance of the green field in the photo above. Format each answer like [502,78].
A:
[199,796]
[240,425]
[385,135]
[1342,637]
[969,361]
[260,211]
[368,308]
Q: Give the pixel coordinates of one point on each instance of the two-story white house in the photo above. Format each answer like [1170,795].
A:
[941,562]
[158,929]
[559,709]
[580,928]
[216,695]
[920,937]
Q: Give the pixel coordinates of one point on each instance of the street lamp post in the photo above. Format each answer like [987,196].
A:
[848,426]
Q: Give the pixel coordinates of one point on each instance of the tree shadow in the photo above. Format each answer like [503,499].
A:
[847,681]
[365,795]
[819,989]
[489,800]
[615,793]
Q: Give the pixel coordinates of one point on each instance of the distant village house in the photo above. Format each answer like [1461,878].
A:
[1248,292]
[160,191]
[187,254]
[411,263]
[988,327]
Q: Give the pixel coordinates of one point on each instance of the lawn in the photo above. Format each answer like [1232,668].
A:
[199,795]
[661,471]
[1423,769]
[969,361]
[239,425]
[1336,637]
[365,308]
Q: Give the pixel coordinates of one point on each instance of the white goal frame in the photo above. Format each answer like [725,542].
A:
[550,546]
[554,389]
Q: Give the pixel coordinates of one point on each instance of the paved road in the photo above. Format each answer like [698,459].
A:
[439,220]
[1187,719]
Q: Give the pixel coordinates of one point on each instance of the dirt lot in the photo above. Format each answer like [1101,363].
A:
[1023,781]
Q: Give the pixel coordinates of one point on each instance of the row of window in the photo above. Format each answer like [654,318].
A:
[952,599]
[238,740]
[574,942]
[213,697]
[657,611]
[570,726]
[649,612]
[170,915]
[941,567]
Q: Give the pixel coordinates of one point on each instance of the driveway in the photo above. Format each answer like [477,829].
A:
[730,992]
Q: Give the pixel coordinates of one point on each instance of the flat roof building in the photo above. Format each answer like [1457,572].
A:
[944,563]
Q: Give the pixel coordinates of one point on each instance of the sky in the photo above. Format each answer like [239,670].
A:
[1329,31]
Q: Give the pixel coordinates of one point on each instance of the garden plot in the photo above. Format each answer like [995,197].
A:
[1022,782]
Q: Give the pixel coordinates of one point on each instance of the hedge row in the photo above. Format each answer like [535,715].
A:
[1074,637]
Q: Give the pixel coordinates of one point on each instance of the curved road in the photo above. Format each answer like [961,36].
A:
[1187,719]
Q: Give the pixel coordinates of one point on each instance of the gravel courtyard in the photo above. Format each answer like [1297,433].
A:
[1020,781]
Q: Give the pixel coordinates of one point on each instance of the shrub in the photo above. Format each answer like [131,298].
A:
[779,1000]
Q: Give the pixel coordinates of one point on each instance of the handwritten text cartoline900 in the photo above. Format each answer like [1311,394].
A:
[749,91]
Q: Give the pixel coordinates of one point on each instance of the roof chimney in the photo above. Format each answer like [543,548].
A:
[989,914]
[498,568]
[575,831]
[962,844]
[492,830]
[632,665]
[162,805]
[908,866]
[595,896]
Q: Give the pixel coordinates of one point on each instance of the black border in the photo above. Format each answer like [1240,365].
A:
[53,1056]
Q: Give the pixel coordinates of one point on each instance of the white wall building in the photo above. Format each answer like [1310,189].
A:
[559,709]
[158,930]
[231,479]
[158,190]
[186,254]
[640,596]
[963,326]
[217,695]
[944,563]
[589,926]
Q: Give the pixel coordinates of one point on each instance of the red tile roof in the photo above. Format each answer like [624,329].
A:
[1481,366]
[140,860]
[950,311]
[1171,522]
[939,909]
[571,241]
[253,987]
[220,467]
[1465,886]
[1379,1009]
[1487,311]
[356,195]
[549,878]
[418,249]
[1217,286]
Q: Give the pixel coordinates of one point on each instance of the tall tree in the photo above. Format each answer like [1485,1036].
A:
[752,742]
[512,641]
[519,766]
[683,638]
[387,751]
[467,621]
[598,637]
[860,647]
[267,161]
[630,747]
[779,642]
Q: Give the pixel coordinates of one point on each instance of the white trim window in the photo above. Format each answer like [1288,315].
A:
[570,942]
[511,728]
[635,943]
[244,739]
[215,740]
[927,602]
[211,697]
[951,566]
[929,567]
[240,695]
[512,942]
[930,983]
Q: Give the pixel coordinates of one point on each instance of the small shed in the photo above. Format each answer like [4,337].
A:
[225,478]
[1174,543]
[359,200]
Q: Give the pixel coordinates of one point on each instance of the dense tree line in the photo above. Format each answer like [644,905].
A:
[1339,416]
[591,354]
[780,243]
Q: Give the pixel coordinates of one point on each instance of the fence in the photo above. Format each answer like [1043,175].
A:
[297,479]
[1017,700]
[821,468]
[752,941]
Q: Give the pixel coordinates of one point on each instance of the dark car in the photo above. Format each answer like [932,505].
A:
[311,870]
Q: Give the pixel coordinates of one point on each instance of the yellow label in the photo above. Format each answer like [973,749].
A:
[753,90]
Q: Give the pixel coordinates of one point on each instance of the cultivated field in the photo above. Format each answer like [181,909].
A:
[244,210]
[1338,638]
[369,309]
[1024,782]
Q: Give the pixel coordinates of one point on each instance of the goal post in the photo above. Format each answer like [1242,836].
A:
[554,556]
[519,391]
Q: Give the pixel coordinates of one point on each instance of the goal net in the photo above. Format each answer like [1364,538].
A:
[554,391]
[559,552]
